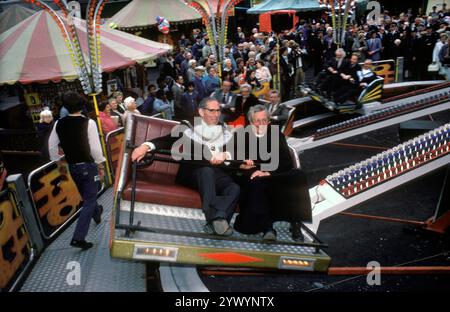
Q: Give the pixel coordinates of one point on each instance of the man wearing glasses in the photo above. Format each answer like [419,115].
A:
[219,193]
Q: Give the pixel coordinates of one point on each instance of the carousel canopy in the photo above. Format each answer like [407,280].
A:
[294,5]
[143,13]
[35,51]
[13,15]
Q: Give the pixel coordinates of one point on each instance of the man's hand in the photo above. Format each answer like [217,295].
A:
[218,159]
[248,164]
[139,152]
[259,173]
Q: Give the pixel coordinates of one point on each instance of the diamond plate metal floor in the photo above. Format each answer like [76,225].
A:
[53,271]
[193,220]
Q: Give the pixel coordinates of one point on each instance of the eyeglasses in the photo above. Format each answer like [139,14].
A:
[260,121]
[212,110]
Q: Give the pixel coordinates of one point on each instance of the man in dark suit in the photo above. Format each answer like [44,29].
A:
[178,91]
[347,80]
[198,82]
[239,52]
[278,112]
[356,83]
[374,47]
[390,38]
[218,192]
[332,73]
[287,74]
[169,68]
[316,49]
[226,98]
[275,191]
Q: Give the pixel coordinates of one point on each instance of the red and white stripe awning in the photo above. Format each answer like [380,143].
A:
[13,15]
[143,13]
[35,51]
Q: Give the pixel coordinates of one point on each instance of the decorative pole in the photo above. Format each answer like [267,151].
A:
[90,75]
[339,10]
[278,83]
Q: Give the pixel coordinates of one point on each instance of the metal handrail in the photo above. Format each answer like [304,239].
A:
[108,148]
[314,244]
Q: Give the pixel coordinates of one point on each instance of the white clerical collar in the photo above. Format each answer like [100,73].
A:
[258,135]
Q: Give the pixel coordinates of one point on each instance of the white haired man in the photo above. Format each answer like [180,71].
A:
[274,192]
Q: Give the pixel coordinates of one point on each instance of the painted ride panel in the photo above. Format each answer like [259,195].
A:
[162,221]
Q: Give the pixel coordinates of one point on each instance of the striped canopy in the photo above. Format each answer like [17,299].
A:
[143,13]
[13,15]
[276,5]
[35,51]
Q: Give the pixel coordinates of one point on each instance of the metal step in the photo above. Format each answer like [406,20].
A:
[178,233]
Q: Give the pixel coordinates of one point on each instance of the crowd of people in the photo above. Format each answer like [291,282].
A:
[192,72]
[191,83]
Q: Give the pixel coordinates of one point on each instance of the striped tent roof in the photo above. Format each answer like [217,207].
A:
[13,15]
[35,51]
[143,13]
[276,5]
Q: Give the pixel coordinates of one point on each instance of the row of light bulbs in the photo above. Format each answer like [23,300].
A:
[391,163]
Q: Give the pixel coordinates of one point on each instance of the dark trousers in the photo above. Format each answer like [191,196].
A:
[279,197]
[346,91]
[218,191]
[85,177]
[286,86]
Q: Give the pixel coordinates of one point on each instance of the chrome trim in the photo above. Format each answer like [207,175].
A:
[296,158]
[108,149]
[121,129]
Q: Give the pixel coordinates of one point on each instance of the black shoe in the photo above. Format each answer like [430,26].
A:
[296,230]
[84,245]
[98,215]
[221,227]
[270,235]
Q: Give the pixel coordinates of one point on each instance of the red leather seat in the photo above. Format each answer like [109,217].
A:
[156,183]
